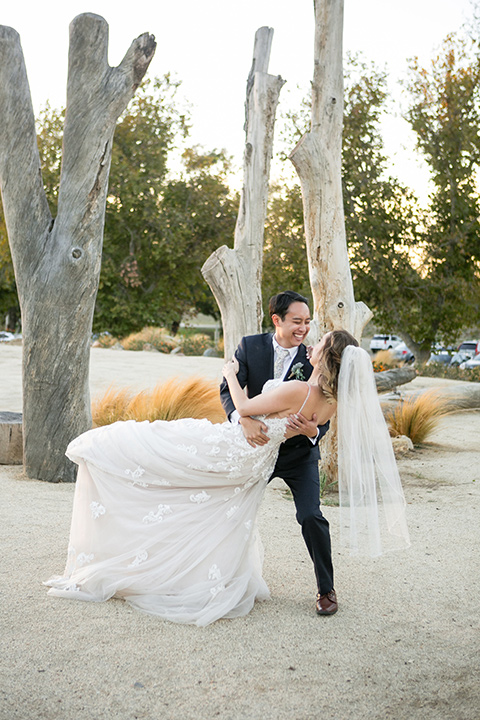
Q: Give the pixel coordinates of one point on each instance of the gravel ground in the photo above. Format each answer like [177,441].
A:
[404,644]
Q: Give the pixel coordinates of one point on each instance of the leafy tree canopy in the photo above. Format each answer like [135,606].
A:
[417,270]
[159,227]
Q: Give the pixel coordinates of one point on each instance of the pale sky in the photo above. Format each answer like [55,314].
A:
[208,46]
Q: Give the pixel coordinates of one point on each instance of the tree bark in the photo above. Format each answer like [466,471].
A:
[10,438]
[318,161]
[235,275]
[317,158]
[388,380]
[57,262]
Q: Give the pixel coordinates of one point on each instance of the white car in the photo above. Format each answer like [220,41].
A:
[384,342]
[466,351]
[6,336]
[472,363]
[402,352]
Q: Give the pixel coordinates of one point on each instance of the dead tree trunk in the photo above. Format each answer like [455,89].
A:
[388,380]
[57,261]
[318,161]
[235,276]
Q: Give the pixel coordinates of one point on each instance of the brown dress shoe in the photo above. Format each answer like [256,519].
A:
[327,604]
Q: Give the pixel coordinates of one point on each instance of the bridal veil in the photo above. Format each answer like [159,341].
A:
[372,504]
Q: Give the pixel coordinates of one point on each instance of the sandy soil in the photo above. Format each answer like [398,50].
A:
[404,644]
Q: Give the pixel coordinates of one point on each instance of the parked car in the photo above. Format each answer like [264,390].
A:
[384,342]
[402,352]
[466,351]
[441,356]
[472,363]
[6,336]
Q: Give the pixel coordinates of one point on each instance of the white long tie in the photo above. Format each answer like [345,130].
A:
[280,355]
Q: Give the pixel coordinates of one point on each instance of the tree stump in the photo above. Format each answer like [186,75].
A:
[11,438]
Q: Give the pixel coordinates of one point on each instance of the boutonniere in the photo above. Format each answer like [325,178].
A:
[297,372]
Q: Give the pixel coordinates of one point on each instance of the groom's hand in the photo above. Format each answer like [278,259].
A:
[255,431]
[299,425]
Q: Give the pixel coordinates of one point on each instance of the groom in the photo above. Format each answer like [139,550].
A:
[283,355]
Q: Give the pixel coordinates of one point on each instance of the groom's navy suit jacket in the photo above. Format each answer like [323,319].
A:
[255,357]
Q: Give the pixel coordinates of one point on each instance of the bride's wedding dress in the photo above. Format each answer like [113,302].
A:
[164,516]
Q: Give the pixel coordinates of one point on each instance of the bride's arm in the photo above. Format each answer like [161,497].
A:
[287,398]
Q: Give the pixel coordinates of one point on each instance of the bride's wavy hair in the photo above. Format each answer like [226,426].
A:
[331,358]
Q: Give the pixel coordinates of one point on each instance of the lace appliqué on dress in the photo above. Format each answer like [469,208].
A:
[139,559]
[156,517]
[135,475]
[200,497]
[192,449]
[215,574]
[96,509]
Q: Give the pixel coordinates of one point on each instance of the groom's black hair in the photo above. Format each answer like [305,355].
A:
[279,304]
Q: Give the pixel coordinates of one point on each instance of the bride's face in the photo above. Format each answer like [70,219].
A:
[318,350]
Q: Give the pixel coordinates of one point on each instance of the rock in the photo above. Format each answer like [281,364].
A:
[401,445]
[211,352]
[11,438]
[117,346]
[148,347]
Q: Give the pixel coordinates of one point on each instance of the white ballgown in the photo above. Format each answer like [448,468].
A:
[164,516]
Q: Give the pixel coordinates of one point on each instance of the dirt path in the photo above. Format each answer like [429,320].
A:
[404,644]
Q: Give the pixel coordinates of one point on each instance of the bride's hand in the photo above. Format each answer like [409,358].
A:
[231,367]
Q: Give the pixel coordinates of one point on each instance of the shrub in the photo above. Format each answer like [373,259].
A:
[176,398]
[448,372]
[104,340]
[196,344]
[417,417]
[156,337]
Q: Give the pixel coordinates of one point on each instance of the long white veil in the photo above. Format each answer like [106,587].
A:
[372,504]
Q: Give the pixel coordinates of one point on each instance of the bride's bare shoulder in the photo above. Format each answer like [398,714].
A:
[324,408]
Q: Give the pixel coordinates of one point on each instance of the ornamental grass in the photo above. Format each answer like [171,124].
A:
[417,417]
[111,406]
[384,360]
[176,398]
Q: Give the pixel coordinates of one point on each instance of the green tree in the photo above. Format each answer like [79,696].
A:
[445,115]
[379,212]
[159,228]
[284,258]
[9,307]
[417,270]
[151,275]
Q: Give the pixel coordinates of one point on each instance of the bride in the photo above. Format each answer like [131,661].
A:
[164,513]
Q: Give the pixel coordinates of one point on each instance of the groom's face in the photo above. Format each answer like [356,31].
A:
[294,328]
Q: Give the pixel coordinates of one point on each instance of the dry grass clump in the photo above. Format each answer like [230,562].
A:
[156,337]
[176,398]
[417,417]
[384,360]
[111,406]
